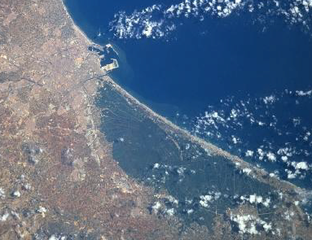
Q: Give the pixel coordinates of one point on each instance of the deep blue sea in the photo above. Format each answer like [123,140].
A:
[237,73]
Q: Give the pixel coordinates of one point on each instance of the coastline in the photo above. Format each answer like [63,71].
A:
[167,125]
[83,158]
[76,27]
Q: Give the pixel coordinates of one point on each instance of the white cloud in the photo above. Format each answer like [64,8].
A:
[153,21]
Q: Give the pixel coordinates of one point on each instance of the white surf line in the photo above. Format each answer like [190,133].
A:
[257,173]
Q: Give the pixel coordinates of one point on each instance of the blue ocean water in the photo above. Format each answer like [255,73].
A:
[237,73]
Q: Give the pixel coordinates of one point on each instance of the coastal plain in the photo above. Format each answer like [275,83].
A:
[80,158]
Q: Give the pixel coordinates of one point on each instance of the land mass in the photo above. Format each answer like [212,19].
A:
[64,173]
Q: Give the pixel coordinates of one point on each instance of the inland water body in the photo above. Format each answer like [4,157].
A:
[236,73]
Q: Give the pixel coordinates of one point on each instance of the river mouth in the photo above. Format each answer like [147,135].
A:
[225,80]
[203,60]
[228,80]
[82,158]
